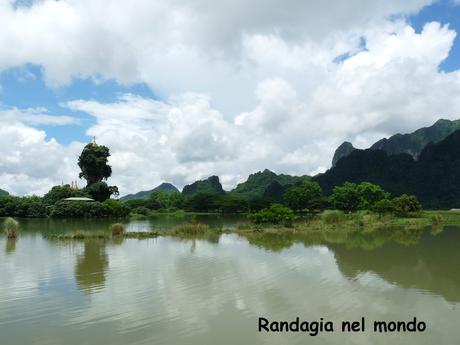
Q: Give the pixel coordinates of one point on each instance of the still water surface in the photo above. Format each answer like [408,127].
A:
[171,291]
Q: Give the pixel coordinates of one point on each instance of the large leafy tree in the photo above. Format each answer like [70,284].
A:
[307,195]
[371,194]
[93,163]
[100,191]
[346,197]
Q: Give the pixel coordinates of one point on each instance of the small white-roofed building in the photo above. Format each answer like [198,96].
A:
[79,199]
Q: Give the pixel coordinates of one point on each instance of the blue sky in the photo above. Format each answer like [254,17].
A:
[24,88]
[445,12]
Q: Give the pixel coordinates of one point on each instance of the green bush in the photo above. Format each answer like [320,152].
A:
[80,209]
[384,206]
[406,204]
[30,206]
[275,214]
[117,208]
[332,216]
[190,229]
[11,228]
[57,193]
[140,210]
[132,204]
[436,220]
[117,229]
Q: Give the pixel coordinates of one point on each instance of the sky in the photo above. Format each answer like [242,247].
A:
[183,89]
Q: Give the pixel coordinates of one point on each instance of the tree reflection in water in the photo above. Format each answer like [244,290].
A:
[91,266]
[10,246]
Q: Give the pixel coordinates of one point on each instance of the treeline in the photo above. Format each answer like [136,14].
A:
[306,196]
[52,204]
[349,197]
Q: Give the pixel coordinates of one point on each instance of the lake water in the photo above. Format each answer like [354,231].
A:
[172,291]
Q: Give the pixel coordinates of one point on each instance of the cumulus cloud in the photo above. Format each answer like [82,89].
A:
[240,87]
[35,116]
[30,163]
[175,46]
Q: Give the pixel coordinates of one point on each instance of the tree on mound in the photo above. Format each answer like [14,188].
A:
[93,162]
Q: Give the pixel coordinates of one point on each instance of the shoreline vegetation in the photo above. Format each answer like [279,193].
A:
[362,228]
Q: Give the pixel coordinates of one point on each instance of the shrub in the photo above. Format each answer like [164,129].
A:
[244,226]
[11,227]
[436,220]
[117,208]
[132,204]
[77,209]
[275,214]
[30,206]
[57,193]
[405,204]
[190,229]
[332,216]
[384,206]
[140,210]
[117,229]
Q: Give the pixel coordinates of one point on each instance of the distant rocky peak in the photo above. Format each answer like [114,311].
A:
[343,150]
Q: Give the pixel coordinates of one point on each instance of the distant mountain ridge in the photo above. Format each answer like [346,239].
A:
[410,143]
[4,192]
[210,185]
[143,195]
[433,177]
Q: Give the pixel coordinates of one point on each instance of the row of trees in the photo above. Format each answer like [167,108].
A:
[306,196]
[349,197]
[39,207]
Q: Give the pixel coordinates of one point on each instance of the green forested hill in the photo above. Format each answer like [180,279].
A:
[164,187]
[411,143]
[434,178]
[210,185]
[256,184]
[3,192]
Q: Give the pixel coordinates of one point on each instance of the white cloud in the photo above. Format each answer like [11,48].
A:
[243,87]
[30,163]
[35,116]
[175,46]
